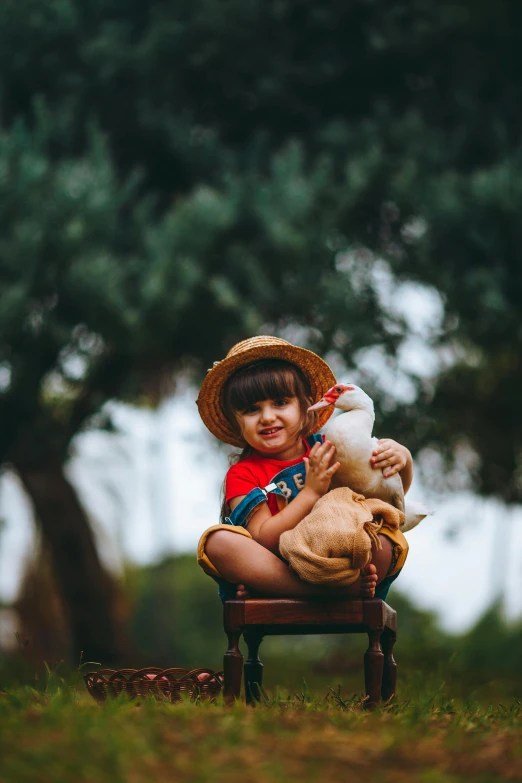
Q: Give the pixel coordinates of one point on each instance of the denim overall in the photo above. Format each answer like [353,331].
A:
[286,484]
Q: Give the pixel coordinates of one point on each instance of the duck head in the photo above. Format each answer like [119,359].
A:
[347,397]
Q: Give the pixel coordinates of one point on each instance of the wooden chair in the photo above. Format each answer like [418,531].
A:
[259,617]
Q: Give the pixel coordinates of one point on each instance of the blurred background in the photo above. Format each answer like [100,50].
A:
[175,177]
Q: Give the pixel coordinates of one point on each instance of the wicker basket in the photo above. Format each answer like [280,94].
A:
[169,684]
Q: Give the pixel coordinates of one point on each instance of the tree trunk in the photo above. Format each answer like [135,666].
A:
[88,593]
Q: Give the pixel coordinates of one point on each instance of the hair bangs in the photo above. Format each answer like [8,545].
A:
[267,380]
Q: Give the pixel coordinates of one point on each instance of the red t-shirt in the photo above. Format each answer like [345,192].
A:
[258,472]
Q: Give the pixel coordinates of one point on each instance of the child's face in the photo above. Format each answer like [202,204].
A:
[273,427]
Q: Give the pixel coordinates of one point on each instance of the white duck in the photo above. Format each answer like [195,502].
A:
[351,435]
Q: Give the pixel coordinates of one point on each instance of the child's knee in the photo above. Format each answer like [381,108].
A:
[217,543]
[382,558]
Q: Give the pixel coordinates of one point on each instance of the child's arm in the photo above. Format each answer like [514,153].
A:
[393,458]
[265,528]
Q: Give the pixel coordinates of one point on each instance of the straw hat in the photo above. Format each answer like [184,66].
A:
[210,402]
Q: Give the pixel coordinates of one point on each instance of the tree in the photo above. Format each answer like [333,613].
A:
[100,294]
[177,177]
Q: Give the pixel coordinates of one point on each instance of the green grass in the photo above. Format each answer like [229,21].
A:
[457,717]
[59,734]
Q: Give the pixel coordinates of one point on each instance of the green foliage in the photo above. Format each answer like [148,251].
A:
[177,616]
[493,645]
[224,182]
[99,293]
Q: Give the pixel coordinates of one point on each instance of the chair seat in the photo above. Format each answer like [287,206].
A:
[258,617]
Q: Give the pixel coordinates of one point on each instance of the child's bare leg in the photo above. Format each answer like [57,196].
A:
[363,587]
[244,562]
[382,558]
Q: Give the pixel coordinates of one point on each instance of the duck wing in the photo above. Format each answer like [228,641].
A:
[354,450]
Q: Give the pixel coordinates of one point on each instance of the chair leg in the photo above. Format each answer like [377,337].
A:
[389,675]
[253,668]
[232,668]
[373,669]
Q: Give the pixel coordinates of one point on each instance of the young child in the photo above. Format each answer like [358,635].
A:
[257,398]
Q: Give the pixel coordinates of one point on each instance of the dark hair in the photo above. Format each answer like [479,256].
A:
[267,379]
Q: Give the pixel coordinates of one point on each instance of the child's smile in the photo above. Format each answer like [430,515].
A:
[273,427]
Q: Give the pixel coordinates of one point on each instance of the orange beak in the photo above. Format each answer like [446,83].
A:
[323,403]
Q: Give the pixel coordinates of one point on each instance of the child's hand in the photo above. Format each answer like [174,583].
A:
[390,457]
[319,468]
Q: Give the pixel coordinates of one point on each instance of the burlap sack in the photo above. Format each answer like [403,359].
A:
[333,543]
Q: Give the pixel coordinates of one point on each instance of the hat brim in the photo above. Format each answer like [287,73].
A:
[210,402]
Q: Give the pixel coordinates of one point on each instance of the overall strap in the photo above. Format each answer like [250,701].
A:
[286,484]
[313,439]
[244,510]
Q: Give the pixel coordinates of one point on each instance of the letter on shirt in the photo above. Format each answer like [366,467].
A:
[298,481]
[285,489]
